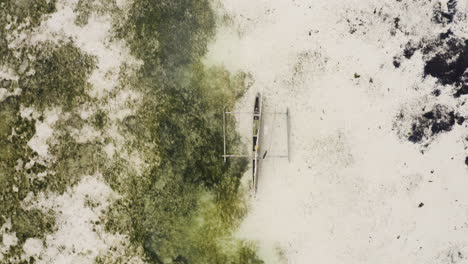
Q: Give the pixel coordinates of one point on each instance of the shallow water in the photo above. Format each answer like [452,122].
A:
[111,147]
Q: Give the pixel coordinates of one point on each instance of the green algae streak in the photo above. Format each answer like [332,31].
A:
[183,207]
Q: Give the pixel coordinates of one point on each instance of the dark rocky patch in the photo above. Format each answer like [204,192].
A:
[445,17]
[462,91]
[449,66]
[439,119]
[446,35]
[396,26]
[396,22]
[396,62]
[421,205]
[446,60]
[409,51]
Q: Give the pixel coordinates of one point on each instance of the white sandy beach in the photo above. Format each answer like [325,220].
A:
[353,189]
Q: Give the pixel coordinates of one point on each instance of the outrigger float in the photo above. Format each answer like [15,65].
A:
[256,139]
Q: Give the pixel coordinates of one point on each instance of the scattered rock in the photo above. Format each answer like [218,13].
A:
[449,65]
[439,119]
[445,17]
[409,51]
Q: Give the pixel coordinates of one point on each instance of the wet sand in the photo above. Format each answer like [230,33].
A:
[356,190]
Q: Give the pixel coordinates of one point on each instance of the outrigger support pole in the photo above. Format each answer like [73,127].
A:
[287,128]
[237,156]
[224,133]
[268,113]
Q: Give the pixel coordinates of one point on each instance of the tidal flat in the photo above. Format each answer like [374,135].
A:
[111,132]
[111,135]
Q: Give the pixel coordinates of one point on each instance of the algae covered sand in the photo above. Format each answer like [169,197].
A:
[110,135]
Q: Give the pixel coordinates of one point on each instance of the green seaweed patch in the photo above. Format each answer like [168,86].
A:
[51,75]
[14,152]
[83,10]
[21,16]
[15,179]
[73,159]
[100,120]
[33,10]
[185,122]
[168,33]
[181,128]
[29,224]
[60,80]
[61,77]
[185,205]
[32,223]
[115,256]
[212,229]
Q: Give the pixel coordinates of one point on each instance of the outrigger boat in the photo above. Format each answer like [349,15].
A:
[256,139]
[257,125]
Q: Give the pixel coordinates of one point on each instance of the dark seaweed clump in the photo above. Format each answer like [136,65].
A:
[447,54]
[445,17]
[449,66]
[438,120]
[446,59]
